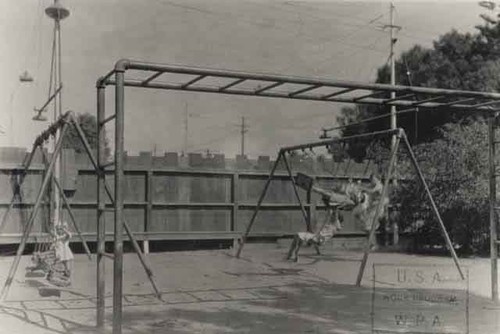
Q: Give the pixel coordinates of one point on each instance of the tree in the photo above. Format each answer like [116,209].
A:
[88,123]
[456,168]
[456,61]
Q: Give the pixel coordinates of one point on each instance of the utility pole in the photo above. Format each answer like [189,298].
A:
[244,129]
[393,40]
[186,128]
[392,28]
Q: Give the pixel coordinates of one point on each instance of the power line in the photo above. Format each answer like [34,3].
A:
[366,120]
[242,18]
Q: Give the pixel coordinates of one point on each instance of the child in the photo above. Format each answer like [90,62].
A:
[62,250]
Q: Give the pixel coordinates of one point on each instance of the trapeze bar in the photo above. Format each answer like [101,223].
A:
[271,86]
[344,139]
[151,78]
[53,96]
[193,81]
[137,65]
[304,90]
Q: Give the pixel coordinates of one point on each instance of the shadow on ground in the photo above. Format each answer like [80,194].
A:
[300,308]
[286,309]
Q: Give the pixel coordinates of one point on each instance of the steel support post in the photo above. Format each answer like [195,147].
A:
[434,207]
[493,216]
[296,192]
[259,203]
[101,205]
[118,223]
[107,189]
[373,228]
[29,225]
[148,217]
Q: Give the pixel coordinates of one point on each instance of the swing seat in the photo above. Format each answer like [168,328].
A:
[42,261]
[58,279]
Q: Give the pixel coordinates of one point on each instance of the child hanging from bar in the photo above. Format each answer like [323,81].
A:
[364,213]
[61,273]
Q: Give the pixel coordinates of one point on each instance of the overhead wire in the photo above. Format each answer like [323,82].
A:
[242,18]
[367,120]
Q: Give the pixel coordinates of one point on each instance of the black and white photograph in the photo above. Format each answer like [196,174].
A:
[249,166]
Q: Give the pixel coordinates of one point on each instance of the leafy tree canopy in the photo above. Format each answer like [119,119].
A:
[469,61]
[88,123]
[456,168]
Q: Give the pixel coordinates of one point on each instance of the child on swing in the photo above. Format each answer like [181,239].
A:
[61,246]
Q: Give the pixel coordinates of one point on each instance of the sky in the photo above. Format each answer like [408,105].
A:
[341,40]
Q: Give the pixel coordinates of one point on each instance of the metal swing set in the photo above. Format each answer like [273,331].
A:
[195,79]
[44,257]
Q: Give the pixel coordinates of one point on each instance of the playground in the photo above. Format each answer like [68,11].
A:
[116,209]
[256,290]
[214,292]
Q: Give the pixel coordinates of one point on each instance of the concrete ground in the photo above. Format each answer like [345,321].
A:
[213,292]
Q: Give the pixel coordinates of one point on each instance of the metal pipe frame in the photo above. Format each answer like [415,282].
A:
[119,81]
[118,222]
[339,140]
[296,192]
[135,245]
[433,205]
[101,207]
[27,165]
[271,86]
[366,120]
[259,203]
[493,208]
[53,96]
[29,225]
[373,227]
[241,92]
[362,97]
[125,64]
[52,129]
[70,212]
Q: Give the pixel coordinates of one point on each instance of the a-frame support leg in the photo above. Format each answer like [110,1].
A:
[27,165]
[70,212]
[29,225]
[130,235]
[259,203]
[434,207]
[296,192]
[379,209]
